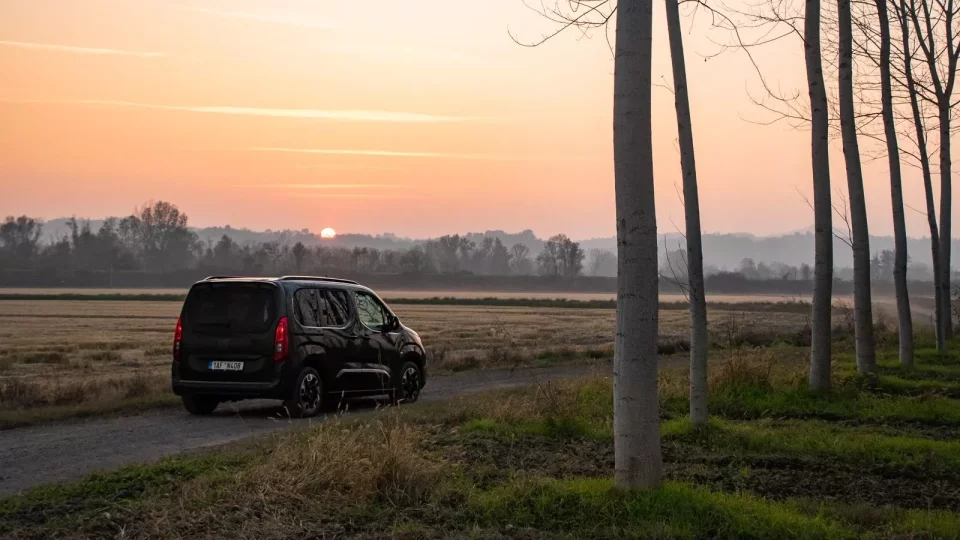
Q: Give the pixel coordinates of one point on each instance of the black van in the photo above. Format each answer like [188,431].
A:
[309,341]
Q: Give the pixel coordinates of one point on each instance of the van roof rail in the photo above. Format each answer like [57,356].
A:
[317,278]
[219,277]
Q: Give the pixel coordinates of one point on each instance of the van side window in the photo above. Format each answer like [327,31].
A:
[370,312]
[336,311]
[307,305]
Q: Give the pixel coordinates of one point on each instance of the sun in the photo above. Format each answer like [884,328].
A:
[328,233]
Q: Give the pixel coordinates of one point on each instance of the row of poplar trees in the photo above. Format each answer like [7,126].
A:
[891,63]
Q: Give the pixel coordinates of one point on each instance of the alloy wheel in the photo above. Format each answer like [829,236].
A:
[410,384]
[310,392]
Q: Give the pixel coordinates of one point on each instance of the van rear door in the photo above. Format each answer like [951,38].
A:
[229,330]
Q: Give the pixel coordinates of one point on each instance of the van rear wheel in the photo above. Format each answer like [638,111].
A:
[200,405]
[306,397]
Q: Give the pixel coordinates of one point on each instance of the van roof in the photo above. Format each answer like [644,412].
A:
[345,283]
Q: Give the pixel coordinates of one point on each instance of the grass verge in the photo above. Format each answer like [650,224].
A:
[404,474]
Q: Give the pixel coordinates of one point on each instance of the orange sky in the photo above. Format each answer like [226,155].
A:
[418,118]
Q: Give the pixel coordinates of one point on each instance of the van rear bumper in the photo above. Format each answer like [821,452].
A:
[227,388]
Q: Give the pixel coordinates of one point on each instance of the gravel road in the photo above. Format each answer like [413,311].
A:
[64,451]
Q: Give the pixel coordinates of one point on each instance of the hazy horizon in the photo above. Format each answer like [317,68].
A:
[59,220]
[423,120]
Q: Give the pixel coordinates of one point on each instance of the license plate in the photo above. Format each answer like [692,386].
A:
[226,366]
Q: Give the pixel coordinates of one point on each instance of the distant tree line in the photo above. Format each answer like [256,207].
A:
[157,238]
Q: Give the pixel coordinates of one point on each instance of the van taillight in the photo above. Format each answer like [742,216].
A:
[281,343]
[177,336]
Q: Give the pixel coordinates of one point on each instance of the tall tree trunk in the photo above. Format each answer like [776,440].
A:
[905,318]
[862,302]
[822,209]
[927,177]
[946,200]
[946,163]
[691,205]
[636,422]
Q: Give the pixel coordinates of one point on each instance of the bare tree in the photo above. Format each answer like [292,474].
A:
[923,156]
[820,351]
[863,309]
[904,317]
[636,422]
[939,44]
[520,262]
[691,205]
[901,65]
[773,20]
[602,262]
[299,253]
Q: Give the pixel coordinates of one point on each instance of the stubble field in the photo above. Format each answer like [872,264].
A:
[62,358]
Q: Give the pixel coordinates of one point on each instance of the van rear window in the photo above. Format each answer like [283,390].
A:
[231,307]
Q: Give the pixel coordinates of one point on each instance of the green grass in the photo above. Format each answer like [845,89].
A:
[935,372]
[844,403]
[592,401]
[930,356]
[863,445]
[917,385]
[818,439]
[593,508]
[771,417]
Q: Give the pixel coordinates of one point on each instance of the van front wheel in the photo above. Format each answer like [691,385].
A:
[200,405]
[407,389]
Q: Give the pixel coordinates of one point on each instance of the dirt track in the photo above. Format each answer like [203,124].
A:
[65,451]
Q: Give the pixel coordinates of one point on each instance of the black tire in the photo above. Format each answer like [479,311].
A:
[200,405]
[408,385]
[306,397]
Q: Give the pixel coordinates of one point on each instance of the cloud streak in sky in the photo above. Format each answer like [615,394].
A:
[348,168]
[427,155]
[305,114]
[329,186]
[369,195]
[380,153]
[79,50]
[289,20]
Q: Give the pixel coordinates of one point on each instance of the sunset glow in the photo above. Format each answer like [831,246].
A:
[328,233]
[265,114]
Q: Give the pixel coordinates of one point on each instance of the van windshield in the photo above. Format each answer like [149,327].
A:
[234,307]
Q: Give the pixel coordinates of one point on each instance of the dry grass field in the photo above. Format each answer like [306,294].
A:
[69,358]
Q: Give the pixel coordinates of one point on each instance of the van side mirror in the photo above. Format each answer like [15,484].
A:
[393,323]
